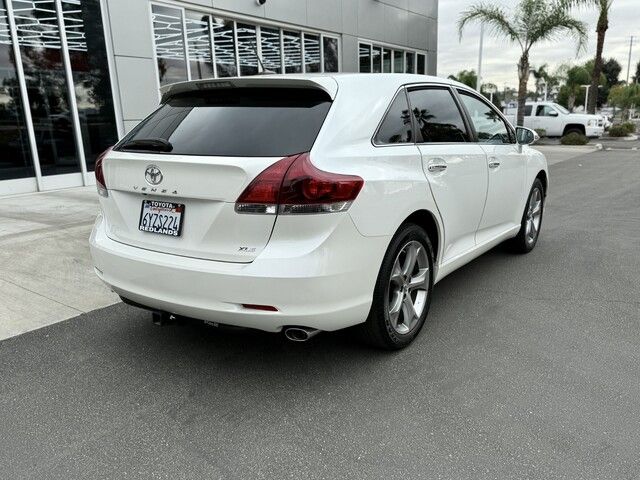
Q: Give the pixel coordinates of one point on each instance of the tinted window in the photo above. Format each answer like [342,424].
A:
[437,116]
[527,110]
[488,124]
[396,126]
[545,111]
[247,122]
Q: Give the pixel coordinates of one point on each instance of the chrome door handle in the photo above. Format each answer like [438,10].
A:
[494,163]
[437,167]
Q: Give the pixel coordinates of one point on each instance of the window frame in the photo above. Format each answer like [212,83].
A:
[510,129]
[246,19]
[463,113]
[393,49]
[401,91]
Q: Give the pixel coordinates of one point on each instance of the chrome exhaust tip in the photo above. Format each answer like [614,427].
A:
[300,334]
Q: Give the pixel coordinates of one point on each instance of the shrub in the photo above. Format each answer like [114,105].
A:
[629,127]
[541,132]
[618,131]
[574,138]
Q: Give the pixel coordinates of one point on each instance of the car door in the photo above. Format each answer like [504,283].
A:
[455,167]
[549,119]
[506,164]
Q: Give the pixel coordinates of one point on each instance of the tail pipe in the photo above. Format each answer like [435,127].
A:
[300,334]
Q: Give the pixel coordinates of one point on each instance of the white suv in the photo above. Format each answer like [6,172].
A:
[310,203]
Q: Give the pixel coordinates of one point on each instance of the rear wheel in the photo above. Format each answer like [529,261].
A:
[531,222]
[402,293]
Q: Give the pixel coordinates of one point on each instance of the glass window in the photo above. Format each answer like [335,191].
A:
[488,124]
[169,40]
[365,58]
[15,161]
[411,62]
[386,61]
[437,116]
[331,61]
[270,43]
[376,59]
[421,64]
[246,122]
[527,110]
[199,45]
[90,71]
[398,61]
[396,126]
[224,46]
[311,53]
[292,52]
[546,111]
[39,40]
[247,49]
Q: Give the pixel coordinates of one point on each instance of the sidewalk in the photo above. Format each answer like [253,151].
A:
[46,273]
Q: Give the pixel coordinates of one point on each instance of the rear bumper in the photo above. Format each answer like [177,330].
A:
[327,286]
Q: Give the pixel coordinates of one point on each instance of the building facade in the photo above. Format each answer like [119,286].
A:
[78,74]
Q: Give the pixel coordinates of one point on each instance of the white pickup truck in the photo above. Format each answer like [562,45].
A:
[556,120]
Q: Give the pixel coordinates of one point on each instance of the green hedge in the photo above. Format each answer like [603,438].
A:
[618,131]
[630,127]
[574,138]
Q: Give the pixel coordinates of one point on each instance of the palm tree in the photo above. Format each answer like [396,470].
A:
[601,29]
[532,21]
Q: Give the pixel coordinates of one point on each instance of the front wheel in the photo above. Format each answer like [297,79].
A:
[531,222]
[402,294]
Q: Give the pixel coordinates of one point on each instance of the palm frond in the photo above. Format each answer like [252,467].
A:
[556,23]
[494,17]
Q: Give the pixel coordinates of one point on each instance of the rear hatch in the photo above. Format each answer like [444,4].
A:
[183,168]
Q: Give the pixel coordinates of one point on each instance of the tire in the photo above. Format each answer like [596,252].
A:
[396,281]
[526,239]
[572,130]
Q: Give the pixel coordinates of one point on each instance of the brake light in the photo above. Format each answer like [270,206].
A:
[101,184]
[294,185]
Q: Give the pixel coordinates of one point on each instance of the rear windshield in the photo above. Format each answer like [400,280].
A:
[238,122]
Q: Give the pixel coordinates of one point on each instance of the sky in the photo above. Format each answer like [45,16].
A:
[500,58]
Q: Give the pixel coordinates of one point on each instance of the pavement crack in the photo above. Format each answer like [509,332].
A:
[564,299]
[41,295]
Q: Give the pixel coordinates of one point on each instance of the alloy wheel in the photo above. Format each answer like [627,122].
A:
[534,216]
[408,287]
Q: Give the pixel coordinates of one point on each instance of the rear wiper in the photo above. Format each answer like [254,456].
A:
[153,144]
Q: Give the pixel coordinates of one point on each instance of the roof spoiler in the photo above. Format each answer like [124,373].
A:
[324,83]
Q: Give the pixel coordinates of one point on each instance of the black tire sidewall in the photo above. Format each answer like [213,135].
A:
[522,236]
[378,322]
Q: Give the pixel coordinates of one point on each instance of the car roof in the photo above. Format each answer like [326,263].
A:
[329,82]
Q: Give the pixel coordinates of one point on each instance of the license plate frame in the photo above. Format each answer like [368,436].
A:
[170,208]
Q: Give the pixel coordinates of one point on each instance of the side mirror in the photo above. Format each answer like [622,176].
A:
[553,113]
[526,136]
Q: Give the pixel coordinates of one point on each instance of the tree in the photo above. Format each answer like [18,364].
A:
[636,77]
[572,92]
[602,26]
[468,77]
[532,22]
[625,97]
[611,70]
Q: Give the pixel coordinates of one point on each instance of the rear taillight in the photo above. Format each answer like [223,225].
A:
[294,185]
[101,184]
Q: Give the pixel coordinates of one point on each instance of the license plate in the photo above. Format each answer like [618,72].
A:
[164,218]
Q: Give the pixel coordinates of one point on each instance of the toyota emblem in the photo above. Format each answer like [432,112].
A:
[153,175]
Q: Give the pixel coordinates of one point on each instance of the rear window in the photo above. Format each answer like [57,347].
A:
[238,122]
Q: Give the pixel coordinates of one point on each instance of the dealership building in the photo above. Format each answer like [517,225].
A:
[76,75]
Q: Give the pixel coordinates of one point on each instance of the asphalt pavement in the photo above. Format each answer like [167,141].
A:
[527,368]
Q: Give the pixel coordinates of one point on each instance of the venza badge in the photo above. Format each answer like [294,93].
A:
[153,175]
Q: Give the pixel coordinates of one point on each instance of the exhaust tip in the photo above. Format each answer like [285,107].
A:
[300,334]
